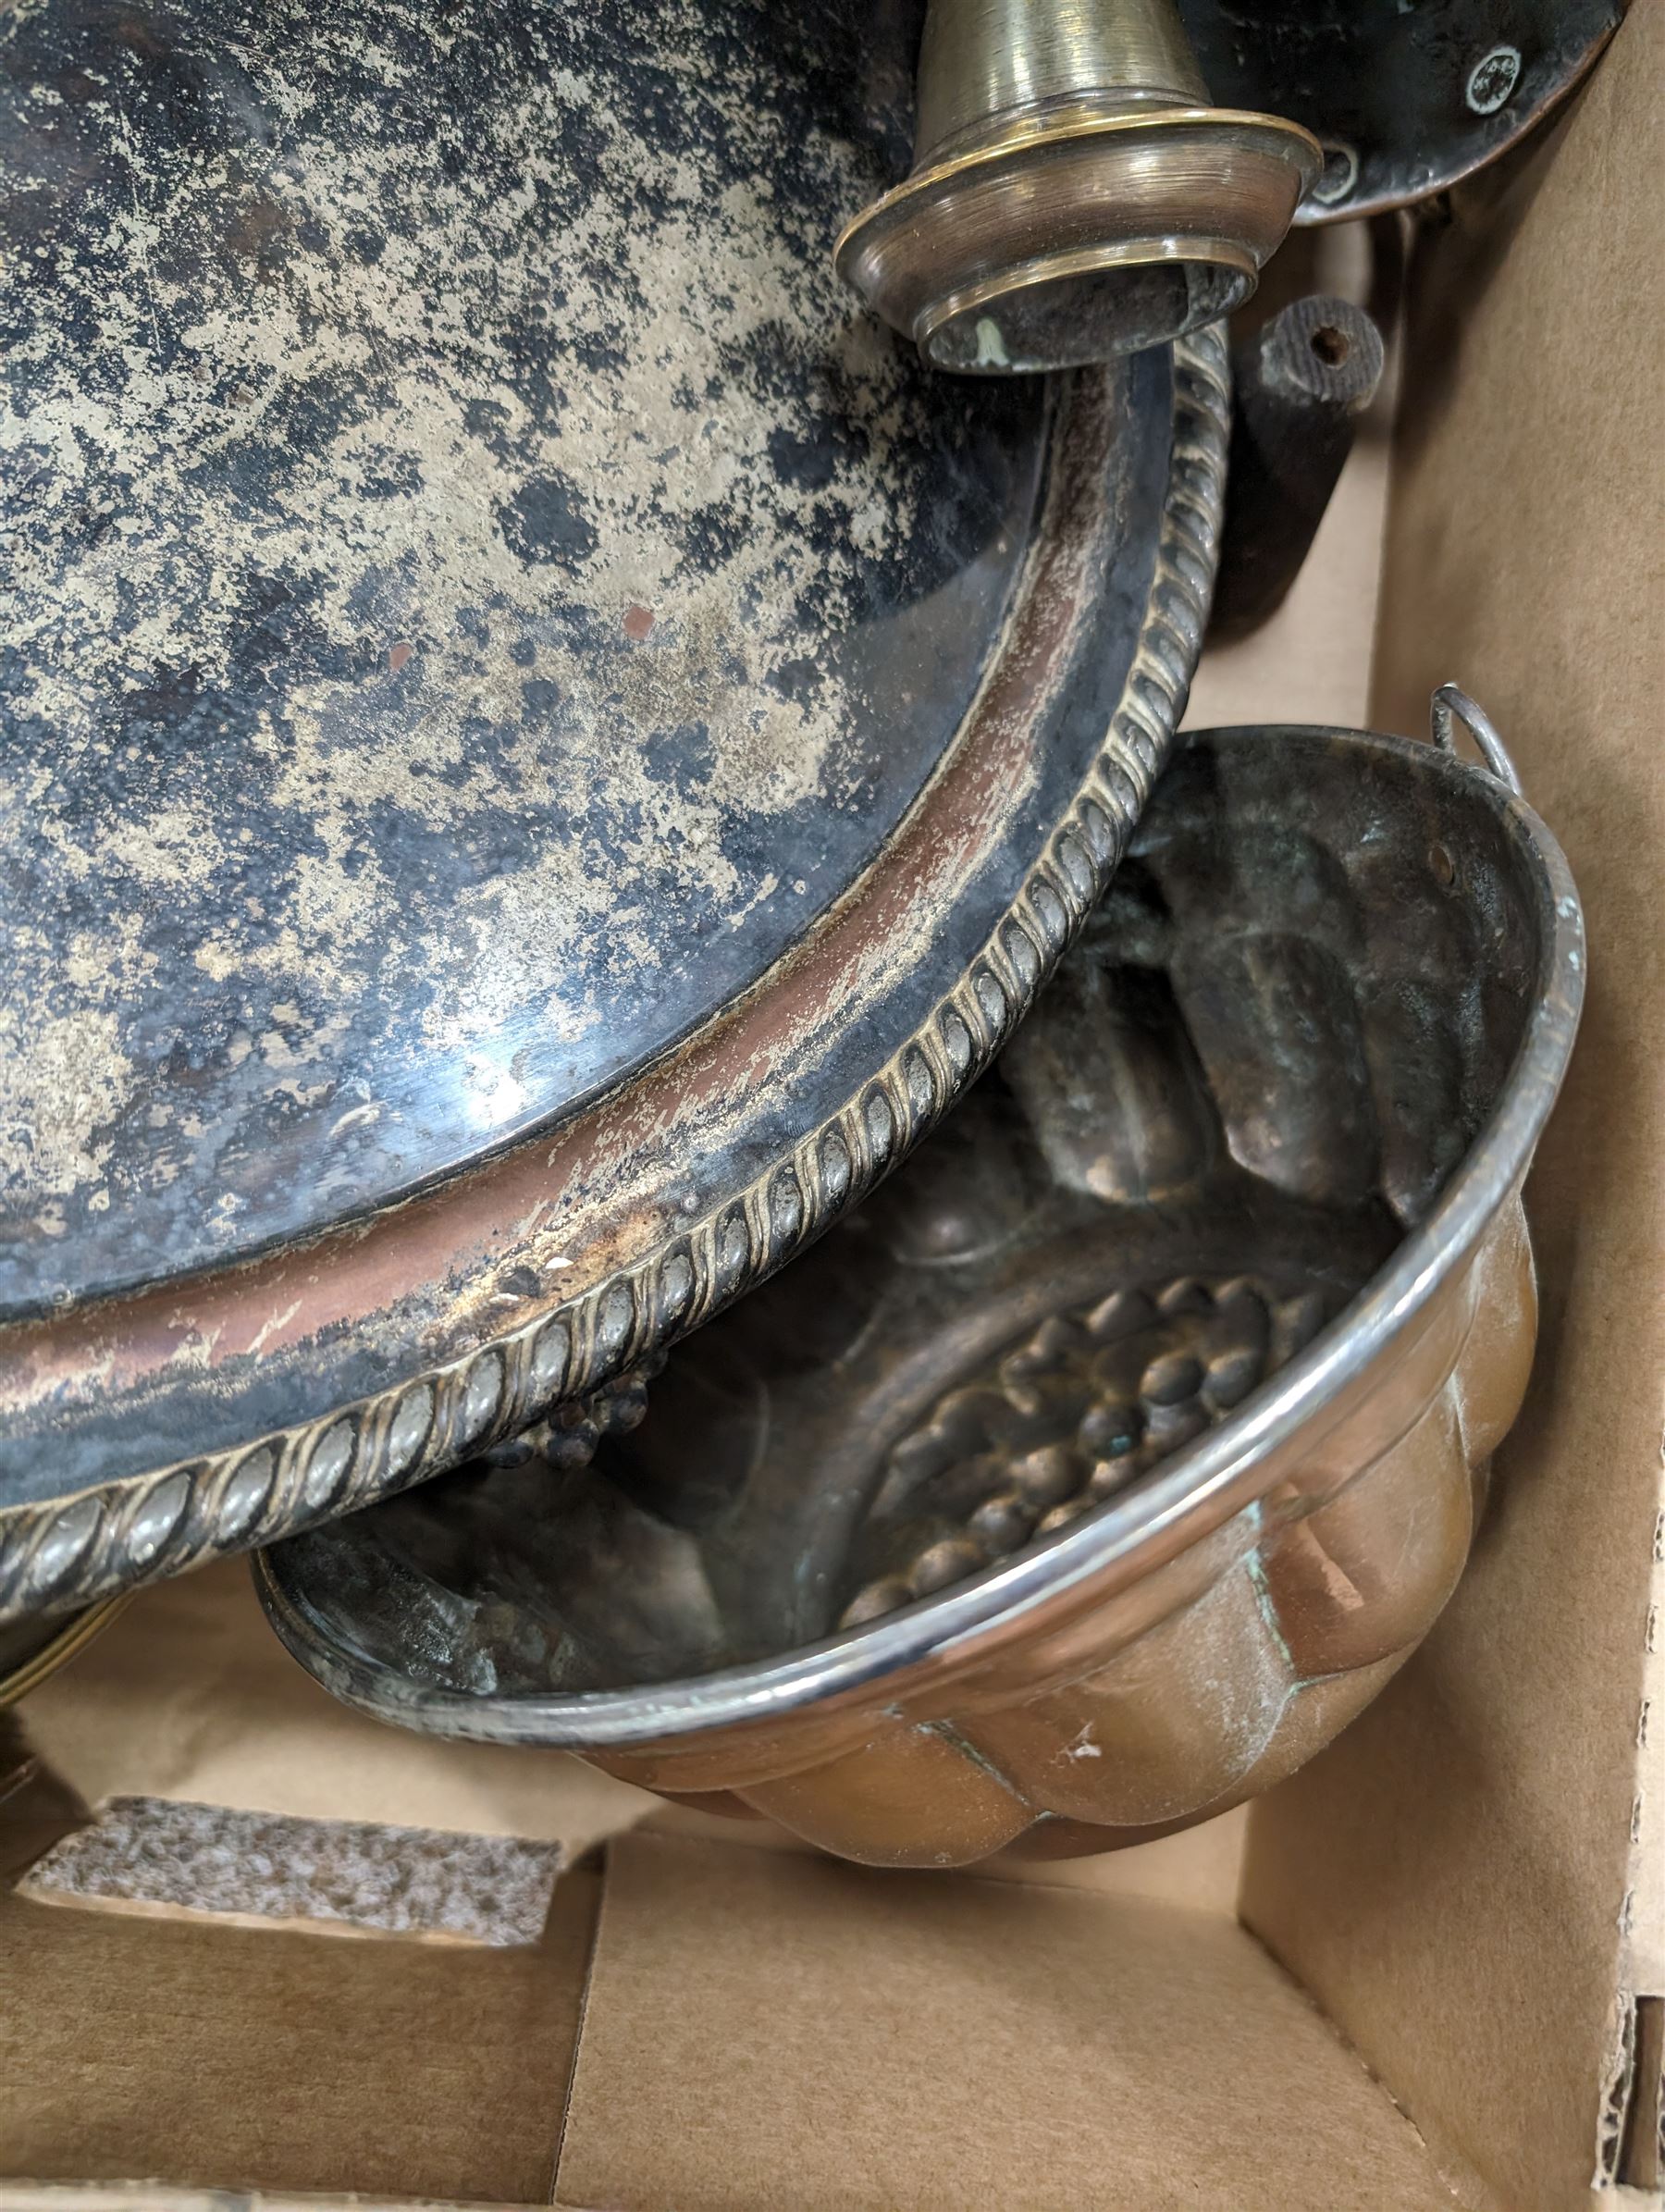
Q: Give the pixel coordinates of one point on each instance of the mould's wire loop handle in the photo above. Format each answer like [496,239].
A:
[1450,706]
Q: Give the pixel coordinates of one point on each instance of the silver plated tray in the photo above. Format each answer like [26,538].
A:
[541,749]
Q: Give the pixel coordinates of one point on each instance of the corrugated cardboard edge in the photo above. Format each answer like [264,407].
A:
[1470,1880]
[157,2197]
[1632,2145]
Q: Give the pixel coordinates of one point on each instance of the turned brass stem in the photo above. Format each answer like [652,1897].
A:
[984,61]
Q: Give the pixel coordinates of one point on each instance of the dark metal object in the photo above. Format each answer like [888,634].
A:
[1073,194]
[1406,100]
[30,1651]
[1106,1462]
[1300,384]
[1094,176]
[542,752]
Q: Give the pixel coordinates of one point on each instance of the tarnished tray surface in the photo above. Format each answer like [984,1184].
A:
[541,753]
[484,590]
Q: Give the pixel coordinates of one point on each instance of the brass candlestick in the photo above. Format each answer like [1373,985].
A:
[1074,195]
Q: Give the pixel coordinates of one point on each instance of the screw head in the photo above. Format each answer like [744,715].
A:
[1493,79]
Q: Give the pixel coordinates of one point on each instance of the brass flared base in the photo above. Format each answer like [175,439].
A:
[1096,232]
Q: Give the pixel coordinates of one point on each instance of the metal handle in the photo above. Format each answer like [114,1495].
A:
[1452,705]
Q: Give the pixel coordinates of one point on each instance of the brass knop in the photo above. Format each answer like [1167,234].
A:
[1073,194]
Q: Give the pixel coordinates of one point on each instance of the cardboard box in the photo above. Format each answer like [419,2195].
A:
[1429,1971]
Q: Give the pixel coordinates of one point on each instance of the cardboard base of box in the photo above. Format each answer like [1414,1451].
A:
[705,2024]
[1466,1894]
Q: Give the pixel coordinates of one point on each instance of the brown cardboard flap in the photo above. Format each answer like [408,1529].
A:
[150,2196]
[766,2029]
[1310,661]
[1462,1881]
[210,2055]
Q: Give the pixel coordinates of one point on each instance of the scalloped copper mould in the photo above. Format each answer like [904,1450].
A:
[1193,1639]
